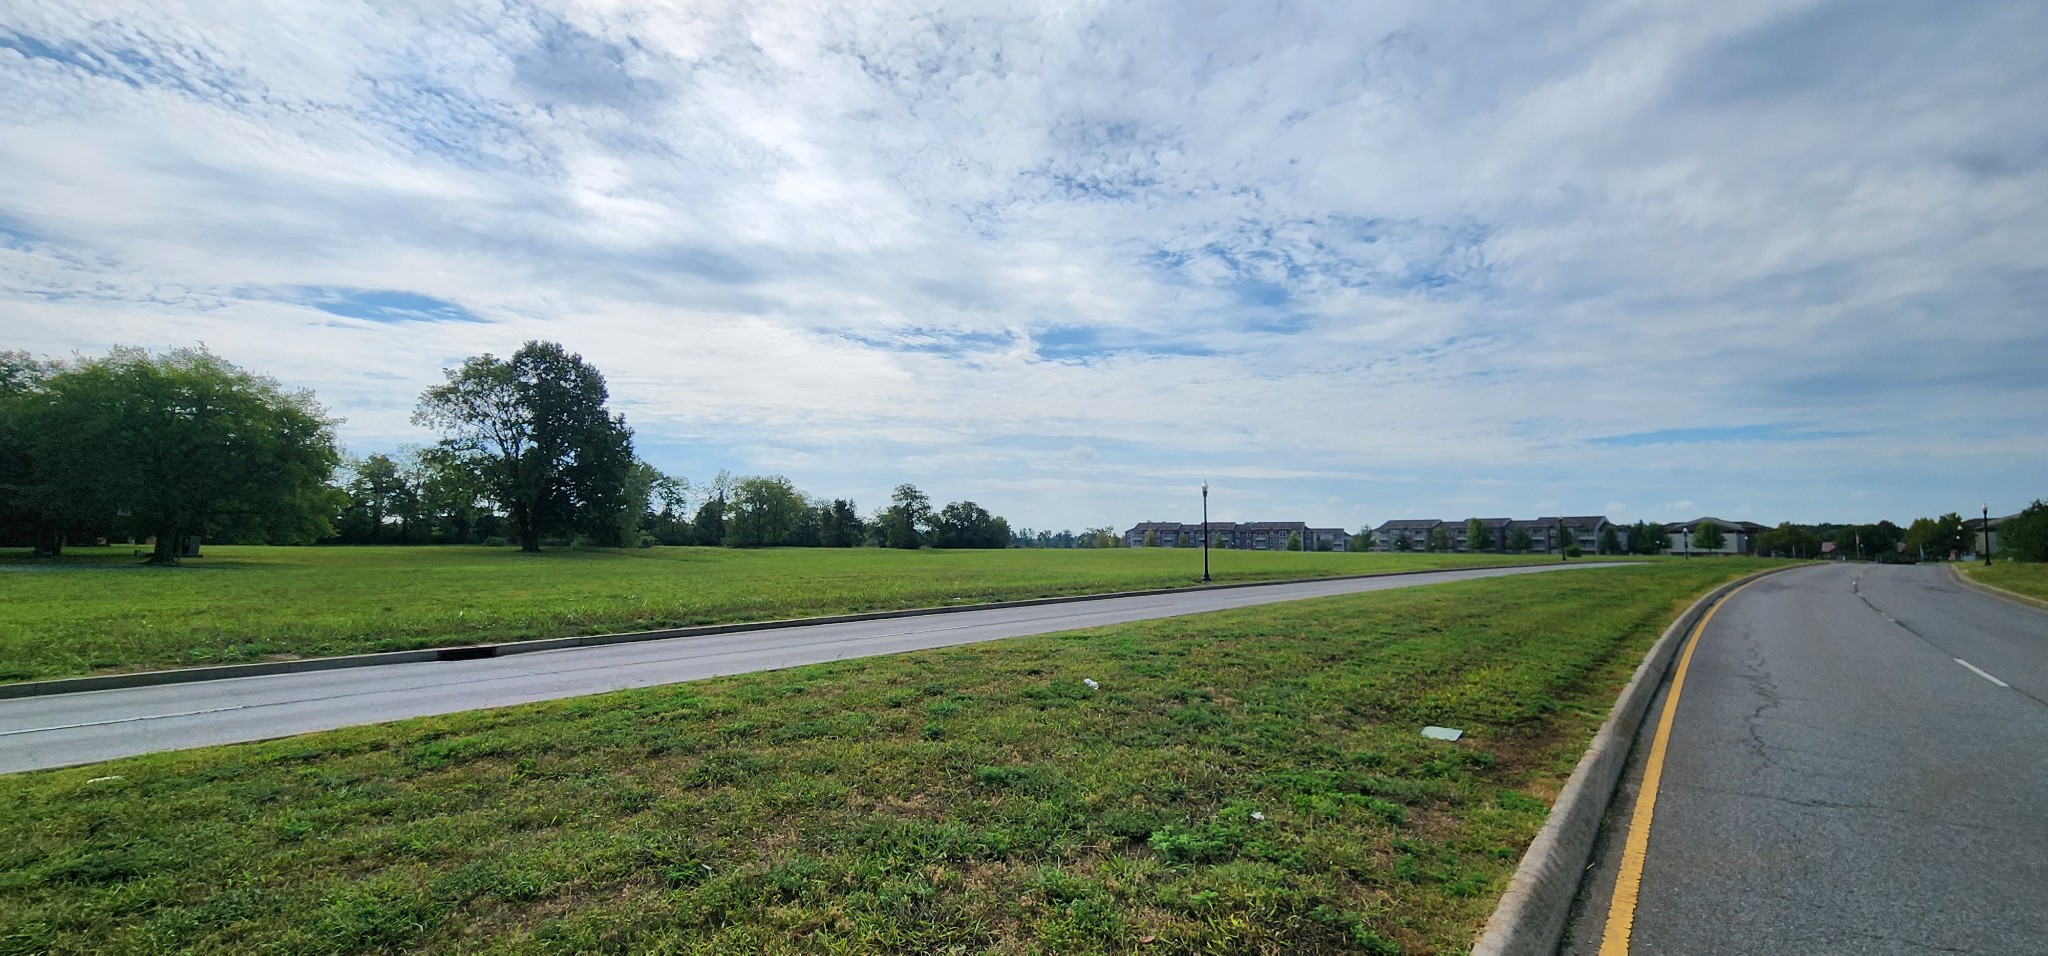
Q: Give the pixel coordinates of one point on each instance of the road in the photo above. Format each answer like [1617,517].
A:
[68,729]
[1857,763]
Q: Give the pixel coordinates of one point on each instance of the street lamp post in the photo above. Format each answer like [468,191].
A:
[1205,532]
[1987,535]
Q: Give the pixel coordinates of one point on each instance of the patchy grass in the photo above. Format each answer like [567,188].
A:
[1250,781]
[2028,579]
[98,610]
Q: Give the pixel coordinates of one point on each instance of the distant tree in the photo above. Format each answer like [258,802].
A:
[964,524]
[1325,544]
[906,521]
[1646,538]
[21,380]
[1708,537]
[535,429]
[1520,542]
[1610,542]
[763,513]
[1439,540]
[2024,536]
[1294,541]
[1218,541]
[1402,542]
[1364,539]
[376,491]
[1938,537]
[1789,540]
[1151,539]
[842,527]
[178,444]
[1478,537]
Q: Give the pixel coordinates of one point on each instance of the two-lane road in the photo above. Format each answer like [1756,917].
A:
[62,730]
[1857,763]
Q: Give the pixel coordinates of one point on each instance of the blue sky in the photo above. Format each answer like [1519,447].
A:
[1347,262]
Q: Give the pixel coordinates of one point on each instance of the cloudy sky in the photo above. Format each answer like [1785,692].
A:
[1346,261]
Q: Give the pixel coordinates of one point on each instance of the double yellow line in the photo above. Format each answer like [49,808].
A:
[1628,882]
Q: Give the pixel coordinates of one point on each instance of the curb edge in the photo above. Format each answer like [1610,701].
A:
[1531,915]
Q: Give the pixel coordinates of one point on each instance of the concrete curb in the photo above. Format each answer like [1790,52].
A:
[1996,591]
[73,685]
[1531,916]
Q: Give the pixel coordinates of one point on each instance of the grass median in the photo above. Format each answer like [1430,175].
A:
[97,610]
[2028,579]
[1245,781]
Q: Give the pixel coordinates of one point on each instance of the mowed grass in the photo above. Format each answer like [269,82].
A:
[1250,781]
[2028,579]
[99,610]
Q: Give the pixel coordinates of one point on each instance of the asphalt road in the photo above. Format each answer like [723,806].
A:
[68,729]
[1858,763]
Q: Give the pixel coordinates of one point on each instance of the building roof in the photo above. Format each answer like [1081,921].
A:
[1747,527]
[1409,524]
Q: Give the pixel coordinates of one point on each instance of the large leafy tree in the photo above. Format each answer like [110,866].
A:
[764,512]
[964,524]
[178,444]
[905,521]
[535,429]
[1478,537]
[1707,536]
[2024,536]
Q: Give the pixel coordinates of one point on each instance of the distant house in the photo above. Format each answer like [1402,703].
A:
[1238,535]
[1984,534]
[1737,537]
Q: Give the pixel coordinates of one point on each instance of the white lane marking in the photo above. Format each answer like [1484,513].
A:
[1974,669]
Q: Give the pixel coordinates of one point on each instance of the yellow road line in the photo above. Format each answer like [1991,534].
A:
[1621,909]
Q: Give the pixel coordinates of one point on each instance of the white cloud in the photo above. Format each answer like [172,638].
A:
[1384,256]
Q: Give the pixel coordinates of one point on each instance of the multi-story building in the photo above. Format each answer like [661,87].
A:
[1737,537]
[1238,535]
[1546,535]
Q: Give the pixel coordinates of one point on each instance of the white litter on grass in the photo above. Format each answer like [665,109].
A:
[1442,733]
[1256,815]
[1092,685]
[104,779]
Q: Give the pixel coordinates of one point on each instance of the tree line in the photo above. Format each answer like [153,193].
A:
[184,444]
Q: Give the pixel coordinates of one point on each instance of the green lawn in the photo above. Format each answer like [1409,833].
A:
[1244,782]
[99,610]
[2028,579]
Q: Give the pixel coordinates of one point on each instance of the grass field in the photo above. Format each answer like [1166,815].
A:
[99,610]
[1245,782]
[2028,579]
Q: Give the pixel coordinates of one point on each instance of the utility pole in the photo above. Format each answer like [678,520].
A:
[1987,535]
[1205,532]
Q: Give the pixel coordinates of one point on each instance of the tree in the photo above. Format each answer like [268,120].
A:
[1402,542]
[1708,537]
[1439,539]
[179,444]
[905,521]
[1647,538]
[1294,541]
[536,430]
[1520,542]
[376,491]
[1938,537]
[1789,540]
[964,524]
[840,525]
[21,377]
[1219,542]
[1151,539]
[764,512]
[709,525]
[1364,535]
[1478,537]
[1610,542]
[2024,536]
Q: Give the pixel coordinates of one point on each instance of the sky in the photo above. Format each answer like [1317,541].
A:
[1345,262]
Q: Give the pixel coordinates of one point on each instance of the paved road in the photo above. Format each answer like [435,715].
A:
[68,729]
[1836,781]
